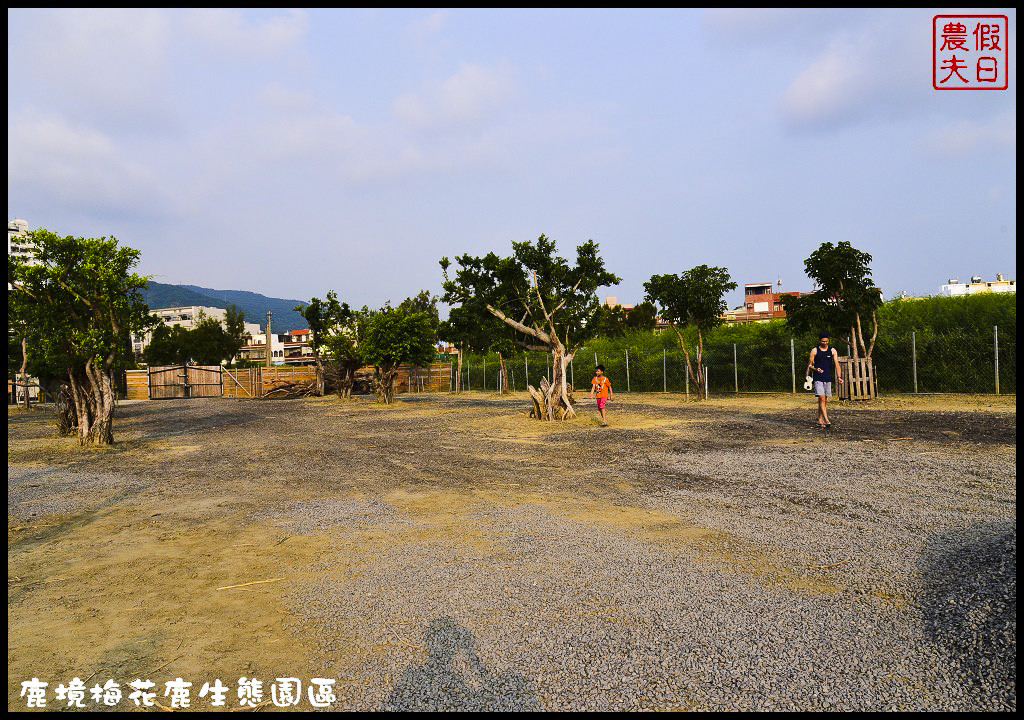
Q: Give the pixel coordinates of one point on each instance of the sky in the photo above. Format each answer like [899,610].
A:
[291,152]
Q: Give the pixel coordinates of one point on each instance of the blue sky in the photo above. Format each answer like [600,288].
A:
[291,152]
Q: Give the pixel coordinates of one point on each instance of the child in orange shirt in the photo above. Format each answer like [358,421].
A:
[601,388]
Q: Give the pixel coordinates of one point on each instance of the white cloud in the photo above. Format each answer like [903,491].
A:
[470,95]
[282,99]
[832,86]
[432,24]
[293,125]
[871,70]
[768,26]
[967,137]
[227,30]
[102,63]
[77,167]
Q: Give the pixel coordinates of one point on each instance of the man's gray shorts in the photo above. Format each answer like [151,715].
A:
[822,388]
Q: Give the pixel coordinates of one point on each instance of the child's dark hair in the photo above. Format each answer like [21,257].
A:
[600,367]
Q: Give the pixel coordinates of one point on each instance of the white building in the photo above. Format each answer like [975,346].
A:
[976,286]
[187,317]
[17,229]
[256,348]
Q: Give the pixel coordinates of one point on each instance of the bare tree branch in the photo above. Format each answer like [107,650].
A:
[535,332]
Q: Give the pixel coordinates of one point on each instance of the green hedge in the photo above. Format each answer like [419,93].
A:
[954,343]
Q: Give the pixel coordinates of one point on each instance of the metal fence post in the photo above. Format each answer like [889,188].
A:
[664,370]
[686,374]
[735,370]
[792,359]
[485,373]
[572,376]
[913,356]
[467,373]
[706,382]
[995,336]
[527,359]
[627,371]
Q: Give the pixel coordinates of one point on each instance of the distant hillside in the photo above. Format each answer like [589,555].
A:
[254,305]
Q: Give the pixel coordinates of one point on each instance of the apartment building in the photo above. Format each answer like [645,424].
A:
[977,286]
[761,303]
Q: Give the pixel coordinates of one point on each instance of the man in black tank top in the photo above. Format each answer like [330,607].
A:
[822,367]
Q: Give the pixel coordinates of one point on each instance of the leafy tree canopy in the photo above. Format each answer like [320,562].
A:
[696,297]
[206,343]
[535,291]
[845,295]
[78,304]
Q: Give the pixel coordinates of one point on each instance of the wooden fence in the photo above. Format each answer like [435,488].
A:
[437,377]
[258,381]
[201,381]
[138,384]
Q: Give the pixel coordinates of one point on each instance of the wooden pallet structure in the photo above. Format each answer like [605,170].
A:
[859,382]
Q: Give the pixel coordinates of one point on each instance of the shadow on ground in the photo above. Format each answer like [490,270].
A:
[454,678]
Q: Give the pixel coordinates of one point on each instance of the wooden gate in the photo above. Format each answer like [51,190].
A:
[858,379]
[246,383]
[185,381]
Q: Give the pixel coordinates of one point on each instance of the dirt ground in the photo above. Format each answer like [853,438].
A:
[174,552]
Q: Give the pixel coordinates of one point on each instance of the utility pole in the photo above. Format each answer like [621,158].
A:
[269,342]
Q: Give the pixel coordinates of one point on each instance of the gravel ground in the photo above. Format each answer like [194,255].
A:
[718,557]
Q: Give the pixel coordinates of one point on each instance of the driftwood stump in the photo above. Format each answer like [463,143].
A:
[283,389]
[549,404]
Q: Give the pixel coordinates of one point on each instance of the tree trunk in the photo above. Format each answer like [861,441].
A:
[92,392]
[458,373]
[702,391]
[319,374]
[101,432]
[698,376]
[384,383]
[503,389]
[67,419]
[24,374]
[554,400]
[347,381]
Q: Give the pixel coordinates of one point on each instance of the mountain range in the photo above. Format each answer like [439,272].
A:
[254,305]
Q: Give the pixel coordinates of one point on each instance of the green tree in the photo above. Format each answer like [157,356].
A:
[461,330]
[208,342]
[610,322]
[472,328]
[642,317]
[845,297]
[168,345]
[396,335]
[549,303]
[342,345]
[79,301]
[323,318]
[694,298]
[234,332]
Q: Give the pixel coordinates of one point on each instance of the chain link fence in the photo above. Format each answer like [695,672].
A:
[976,361]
